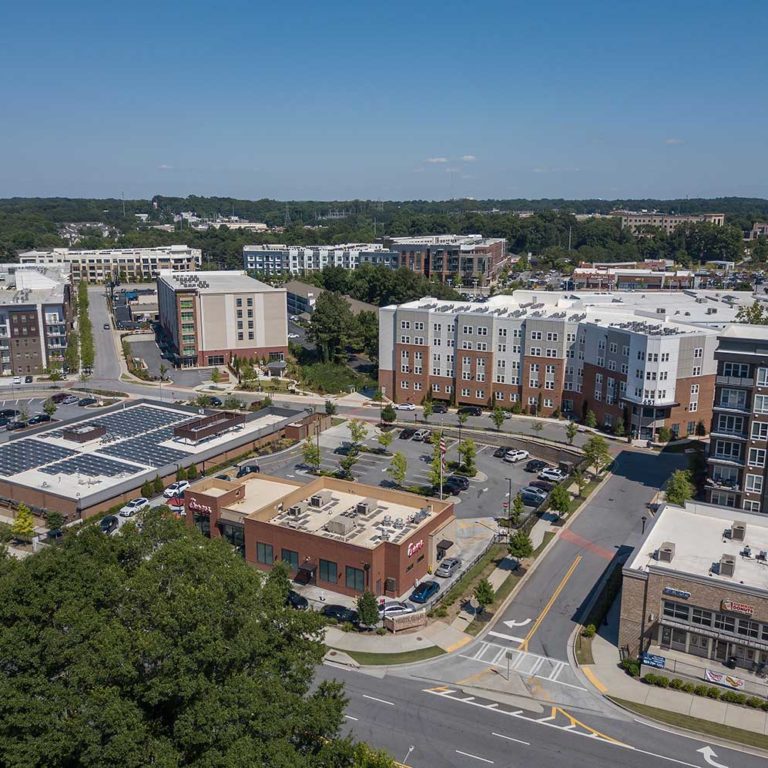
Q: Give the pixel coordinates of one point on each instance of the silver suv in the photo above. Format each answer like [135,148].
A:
[448,567]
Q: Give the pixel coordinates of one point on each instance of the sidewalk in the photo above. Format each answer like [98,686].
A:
[437,633]
[606,676]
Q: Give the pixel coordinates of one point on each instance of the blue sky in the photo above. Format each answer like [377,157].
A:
[389,100]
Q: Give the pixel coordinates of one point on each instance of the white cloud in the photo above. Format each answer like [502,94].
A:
[468,158]
[545,169]
[674,141]
[435,160]
[165,167]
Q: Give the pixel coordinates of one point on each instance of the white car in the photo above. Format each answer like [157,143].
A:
[134,506]
[176,489]
[514,456]
[552,474]
[394,608]
[405,407]
[17,379]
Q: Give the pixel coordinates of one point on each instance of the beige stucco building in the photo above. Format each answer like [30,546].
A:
[211,317]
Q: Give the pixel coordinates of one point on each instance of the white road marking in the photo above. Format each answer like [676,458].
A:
[476,757]
[522,623]
[381,701]
[506,637]
[509,738]
[349,717]
[709,756]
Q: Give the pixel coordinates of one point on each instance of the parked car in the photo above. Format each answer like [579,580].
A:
[448,566]
[134,506]
[39,418]
[552,474]
[13,425]
[543,484]
[405,407]
[216,402]
[83,401]
[406,434]
[502,451]
[536,465]
[9,413]
[460,480]
[393,608]
[222,477]
[421,435]
[109,524]
[248,469]
[28,379]
[341,613]
[59,397]
[345,449]
[450,488]
[107,326]
[70,400]
[424,592]
[470,410]
[17,379]
[439,407]
[514,456]
[532,497]
[176,489]
[4,421]
[295,600]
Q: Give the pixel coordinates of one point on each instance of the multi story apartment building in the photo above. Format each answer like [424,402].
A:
[632,279]
[128,264]
[739,433]
[469,259]
[636,221]
[553,354]
[211,317]
[35,316]
[298,260]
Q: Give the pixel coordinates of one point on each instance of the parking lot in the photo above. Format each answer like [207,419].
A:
[34,405]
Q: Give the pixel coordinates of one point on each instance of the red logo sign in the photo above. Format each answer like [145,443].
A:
[733,607]
[198,507]
[414,547]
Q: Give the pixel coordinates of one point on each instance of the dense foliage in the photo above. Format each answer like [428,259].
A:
[26,223]
[159,647]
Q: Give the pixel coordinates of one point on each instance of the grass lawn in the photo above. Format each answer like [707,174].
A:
[548,536]
[331,378]
[583,649]
[727,732]
[405,657]
[501,595]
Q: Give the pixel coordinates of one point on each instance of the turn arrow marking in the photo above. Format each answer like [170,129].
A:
[709,756]
[522,623]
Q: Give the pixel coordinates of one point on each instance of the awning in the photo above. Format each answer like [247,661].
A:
[444,544]
[310,566]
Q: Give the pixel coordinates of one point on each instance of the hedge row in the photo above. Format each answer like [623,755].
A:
[710,691]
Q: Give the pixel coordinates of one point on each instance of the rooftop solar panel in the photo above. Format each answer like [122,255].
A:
[89,464]
[22,455]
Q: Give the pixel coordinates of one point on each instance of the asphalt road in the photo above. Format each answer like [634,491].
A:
[424,724]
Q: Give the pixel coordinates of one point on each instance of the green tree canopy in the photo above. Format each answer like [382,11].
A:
[679,487]
[23,526]
[332,326]
[520,545]
[596,452]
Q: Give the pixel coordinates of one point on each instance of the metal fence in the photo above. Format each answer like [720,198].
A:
[696,673]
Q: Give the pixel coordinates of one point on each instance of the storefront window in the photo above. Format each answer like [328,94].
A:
[290,557]
[354,578]
[727,623]
[264,553]
[235,535]
[748,628]
[700,616]
[203,524]
[328,571]
[675,610]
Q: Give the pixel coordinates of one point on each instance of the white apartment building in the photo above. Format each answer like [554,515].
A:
[625,361]
[297,260]
[126,264]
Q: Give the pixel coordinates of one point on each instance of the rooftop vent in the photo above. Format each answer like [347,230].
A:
[738,530]
[727,565]
[665,552]
[341,525]
[297,509]
[321,498]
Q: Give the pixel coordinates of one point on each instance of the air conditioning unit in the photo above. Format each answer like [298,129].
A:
[297,509]
[727,565]
[321,498]
[738,530]
[666,552]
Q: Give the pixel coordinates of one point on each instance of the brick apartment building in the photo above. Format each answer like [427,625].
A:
[341,536]
[739,432]
[637,221]
[274,259]
[471,259]
[553,354]
[211,317]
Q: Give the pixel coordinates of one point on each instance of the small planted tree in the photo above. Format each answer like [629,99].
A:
[497,417]
[357,431]
[215,375]
[181,474]
[49,407]
[368,609]
[537,426]
[570,431]
[157,484]
[468,453]
[192,472]
[590,419]
[23,526]
[520,545]
[346,463]
[618,429]
[427,409]
[330,408]
[385,439]
[484,594]
[581,481]
[516,511]
[146,489]
[388,413]
[664,434]
[54,520]
[560,500]
[436,464]
[398,468]
[597,453]
[679,487]
[310,454]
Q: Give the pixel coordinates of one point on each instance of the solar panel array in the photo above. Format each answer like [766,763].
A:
[88,464]
[22,455]
[145,450]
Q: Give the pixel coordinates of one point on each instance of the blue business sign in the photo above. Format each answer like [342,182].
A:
[651,660]
[681,593]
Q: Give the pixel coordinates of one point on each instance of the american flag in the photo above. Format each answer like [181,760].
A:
[442,451]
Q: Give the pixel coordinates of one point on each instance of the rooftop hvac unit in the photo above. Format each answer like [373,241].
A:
[366,506]
[727,565]
[666,552]
[297,509]
[738,530]
[340,525]
[321,498]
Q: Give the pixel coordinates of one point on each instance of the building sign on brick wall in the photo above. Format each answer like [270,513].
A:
[198,507]
[731,606]
[414,547]
[681,593]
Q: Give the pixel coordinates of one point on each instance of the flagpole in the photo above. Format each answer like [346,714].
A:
[442,465]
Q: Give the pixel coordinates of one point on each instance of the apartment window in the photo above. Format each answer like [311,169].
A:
[238,302]
[759,428]
[250,313]
[762,377]
[354,578]
[611,365]
[738,370]
[640,354]
[239,335]
[733,398]
[501,347]
[480,376]
[676,610]
[264,553]
[665,357]
[548,402]
[403,385]
[751,506]
[625,351]
[418,340]
[570,337]
[601,362]
[466,345]
[500,395]
[215,359]
[536,335]
[698,352]
[291,557]
[482,346]
[437,328]
[533,383]
[601,344]
[405,339]
[503,332]
[405,325]
[551,336]
[418,326]
[727,450]
[694,389]
[624,368]
[696,370]
[482,331]
[435,387]
[761,404]
[693,406]
[756,457]
[533,400]
[536,351]
[465,392]
[480,393]
[613,347]
[753,483]
[249,302]
[551,353]
[467,329]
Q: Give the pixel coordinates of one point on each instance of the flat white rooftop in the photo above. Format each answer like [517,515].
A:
[701,535]
[225,281]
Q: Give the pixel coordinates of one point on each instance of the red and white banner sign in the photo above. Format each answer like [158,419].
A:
[729,681]
[414,547]
[198,507]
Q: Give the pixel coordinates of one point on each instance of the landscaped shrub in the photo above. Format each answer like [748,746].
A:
[713,693]
[732,697]
[755,702]
[650,678]
[700,690]
[689,687]
[631,667]
[676,684]
[662,682]
[589,631]
[764,706]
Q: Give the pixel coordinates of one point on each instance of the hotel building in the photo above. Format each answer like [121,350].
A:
[298,260]
[636,221]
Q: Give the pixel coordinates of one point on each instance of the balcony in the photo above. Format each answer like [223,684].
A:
[723,483]
[735,381]
[740,435]
[727,459]
[729,406]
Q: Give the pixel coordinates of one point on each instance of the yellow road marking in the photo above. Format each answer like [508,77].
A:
[574,721]
[550,603]
[473,678]
[590,675]
[458,644]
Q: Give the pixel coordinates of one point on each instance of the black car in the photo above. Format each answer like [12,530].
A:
[295,600]
[109,524]
[451,488]
[543,484]
[500,453]
[83,401]
[222,477]
[439,408]
[12,425]
[406,434]
[459,480]
[345,449]
[535,465]
[248,469]
[470,410]
[59,397]
[341,613]
[39,418]
[27,379]
[216,402]
[8,413]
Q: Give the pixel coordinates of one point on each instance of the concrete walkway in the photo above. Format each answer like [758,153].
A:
[437,633]
[609,680]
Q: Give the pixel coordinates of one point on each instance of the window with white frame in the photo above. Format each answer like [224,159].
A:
[698,352]
[536,351]
[759,428]
[551,336]
[613,347]
[548,402]
[533,400]
[753,483]
[435,387]
[696,371]
[549,369]
[762,377]
[499,378]
[551,353]
[467,329]
[465,392]
[403,385]
[480,393]
[693,406]
[725,449]
[417,385]
[536,335]
[466,345]
[482,331]
[503,332]
[756,457]
[751,506]
[501,347]
[737,370]
[761,404]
